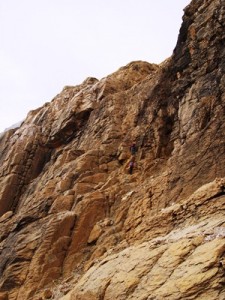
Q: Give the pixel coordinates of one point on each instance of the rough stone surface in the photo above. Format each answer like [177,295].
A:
[75,225]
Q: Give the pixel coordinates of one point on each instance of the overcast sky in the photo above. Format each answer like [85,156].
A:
[47,44]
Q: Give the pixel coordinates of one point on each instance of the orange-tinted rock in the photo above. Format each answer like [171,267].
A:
[74,224]
[4,296]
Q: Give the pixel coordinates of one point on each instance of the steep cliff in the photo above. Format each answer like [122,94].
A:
[75,225]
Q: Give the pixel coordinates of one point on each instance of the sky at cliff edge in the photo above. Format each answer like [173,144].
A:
[46,45]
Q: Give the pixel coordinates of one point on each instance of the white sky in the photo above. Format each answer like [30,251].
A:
[47,44]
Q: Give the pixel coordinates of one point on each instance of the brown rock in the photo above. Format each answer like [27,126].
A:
[48,294]
[95,233]
[74,222]
[4,296]
[62,203]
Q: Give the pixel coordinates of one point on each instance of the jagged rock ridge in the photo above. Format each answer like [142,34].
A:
[76,225]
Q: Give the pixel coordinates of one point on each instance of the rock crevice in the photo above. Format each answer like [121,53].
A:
[76,223]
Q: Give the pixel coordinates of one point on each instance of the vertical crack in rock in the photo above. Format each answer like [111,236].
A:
[77,222]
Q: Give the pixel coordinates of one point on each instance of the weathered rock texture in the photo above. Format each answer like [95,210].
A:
[75,225]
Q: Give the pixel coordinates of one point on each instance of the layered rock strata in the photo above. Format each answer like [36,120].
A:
[75,225]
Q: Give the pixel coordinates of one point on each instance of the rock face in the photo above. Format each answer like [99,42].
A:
[75,225]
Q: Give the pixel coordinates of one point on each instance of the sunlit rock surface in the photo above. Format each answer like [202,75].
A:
[75,225]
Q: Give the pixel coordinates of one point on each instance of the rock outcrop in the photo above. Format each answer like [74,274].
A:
[75,225]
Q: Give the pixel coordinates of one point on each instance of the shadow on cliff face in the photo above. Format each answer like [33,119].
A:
[183,113]
[27,152]
[75,202]
[158,114]
[73,128]
[23,161]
